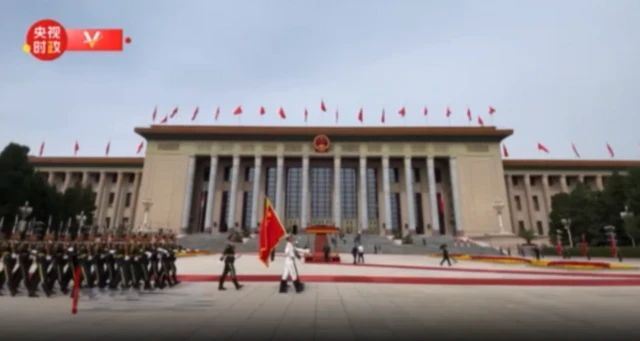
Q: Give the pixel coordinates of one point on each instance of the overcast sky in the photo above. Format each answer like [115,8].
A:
[556,71]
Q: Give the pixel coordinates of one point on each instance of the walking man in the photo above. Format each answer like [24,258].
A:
[229,258]
[445,255]
[291,253]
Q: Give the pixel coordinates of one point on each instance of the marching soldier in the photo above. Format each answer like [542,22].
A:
[229,258]
[291,253]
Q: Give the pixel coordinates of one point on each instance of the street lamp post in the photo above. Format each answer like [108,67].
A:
[559,242]
[566,222]
[81,218]
[498,206]
[25,211]
[627,218]
[146,206]
[611,231]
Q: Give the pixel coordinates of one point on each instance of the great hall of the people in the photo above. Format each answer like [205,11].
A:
[427,180]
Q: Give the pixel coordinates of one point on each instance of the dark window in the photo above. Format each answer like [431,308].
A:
[533,181]
[518,203]
[515,181]
[246,209]
[205,174]
[293,192]
[247,174]
[127,199]
[372,194]
[348,193]
[395,211]
[551,181]
[536,203]
[227,174]
[107,222]
[112,198]
[395,175]
[270,184]
[132,179]
[125,221]
[223,212]
[114,178]
[521,226]
[416,175]
[419,214]
[438,175]
[321,181]
[540,228]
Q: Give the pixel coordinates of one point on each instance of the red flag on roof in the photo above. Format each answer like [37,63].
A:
[337,116]
[323,108]
[261,110]
[195,113]
[448,112]
[402,111]
[76,147]
[237,110]
[306,114]
[505,151]
[491,110]
[542,148]
[139,147]
[41,150]
[216,114]
[425,111]
[360,115]
[382,116]
[154,113]
[107,148]
[480,121]
[575,150]
[164,119]
[610,150]
[174,111]
[469,114]
[281,113]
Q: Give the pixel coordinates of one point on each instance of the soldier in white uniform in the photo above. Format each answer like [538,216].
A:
[290,270]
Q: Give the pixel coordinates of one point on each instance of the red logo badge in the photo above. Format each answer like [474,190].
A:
[321,143]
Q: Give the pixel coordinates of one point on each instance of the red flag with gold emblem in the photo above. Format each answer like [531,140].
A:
[270,233]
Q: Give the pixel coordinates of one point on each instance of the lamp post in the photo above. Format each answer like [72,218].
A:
[81,218]
[498,206]
[146,206]
[566,222]
[611,232]
[559,242]
[25,211]
[627,217]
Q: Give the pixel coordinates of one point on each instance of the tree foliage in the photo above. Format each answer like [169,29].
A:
[589,210]
[20,183]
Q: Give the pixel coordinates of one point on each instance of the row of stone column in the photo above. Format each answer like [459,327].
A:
[362,202]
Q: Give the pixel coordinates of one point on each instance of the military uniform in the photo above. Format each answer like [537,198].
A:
[229,259]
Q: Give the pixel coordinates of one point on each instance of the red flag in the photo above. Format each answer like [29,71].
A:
[448,112]
[41,150]
[306,114]
[575,150]
[164,119]
[360,115]
[480,121]
[237,110]
[174,111]
[610,150]
[76,147]
[107,148]
[195,113]
[425,111]
[469,114]
[261,110]
[337,116]
[270,232]
[505,152]
[154,113]
[542,148]
[402,111]
[139,147]
[382,116]
[281,113]
[322,106]
[491,110]
[216,114]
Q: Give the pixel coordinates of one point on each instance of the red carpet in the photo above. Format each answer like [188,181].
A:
[426,280]
[570,273]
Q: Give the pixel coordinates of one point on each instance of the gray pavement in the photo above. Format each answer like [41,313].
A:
[330,311]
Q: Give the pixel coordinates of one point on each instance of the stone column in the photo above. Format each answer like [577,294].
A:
[67,180]
[337,208]
[280,186]
[386,193]
[85,179]
[545,193]
[529,203]
[119,201]
[508,184]
[563,184]
[100,195]
[453,167]
[255,191]
[211,194]
[304,197]
[233,192]
[134,197]
[433,199]
[411,207]
[363,223]
[188,193]
[599,182]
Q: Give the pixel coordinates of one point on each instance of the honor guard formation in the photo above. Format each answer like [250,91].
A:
[45,262]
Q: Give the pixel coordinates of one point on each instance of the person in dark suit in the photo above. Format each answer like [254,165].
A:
[445,255]
[326,249]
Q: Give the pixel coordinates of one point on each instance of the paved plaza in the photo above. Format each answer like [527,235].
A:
[330,311]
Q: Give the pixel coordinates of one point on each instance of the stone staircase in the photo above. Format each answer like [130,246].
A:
[421,244]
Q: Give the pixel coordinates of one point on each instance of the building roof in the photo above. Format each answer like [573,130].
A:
[510,164]
[304,133]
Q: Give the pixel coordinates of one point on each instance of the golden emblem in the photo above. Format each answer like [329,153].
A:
[321,143]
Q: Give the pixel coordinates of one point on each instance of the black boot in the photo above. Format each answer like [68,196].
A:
[283,287]
[236,284]
[298,285]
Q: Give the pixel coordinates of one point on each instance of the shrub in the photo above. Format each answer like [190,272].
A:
[597,252]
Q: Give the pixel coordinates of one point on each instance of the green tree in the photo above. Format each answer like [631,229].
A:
[527,234]
[15,173]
